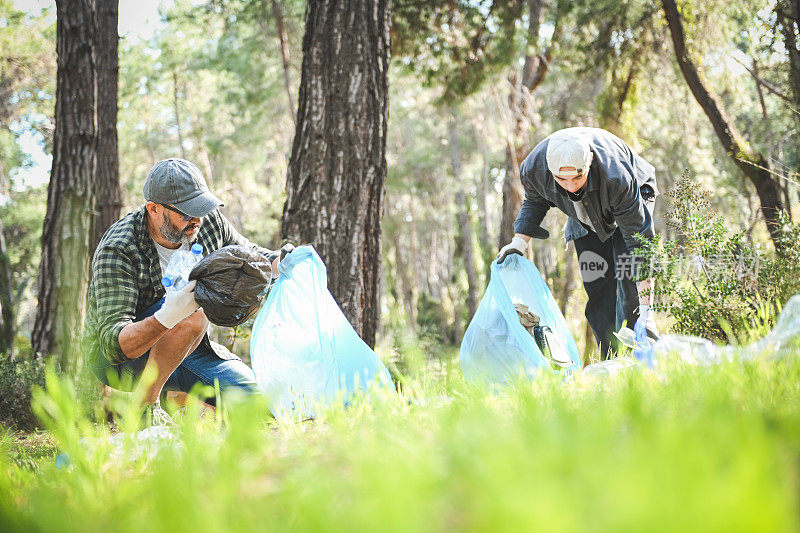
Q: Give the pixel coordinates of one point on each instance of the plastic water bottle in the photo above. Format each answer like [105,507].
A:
[180,265]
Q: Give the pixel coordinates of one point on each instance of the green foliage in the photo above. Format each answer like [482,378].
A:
[712,449]
[216,70]
[17,378]
[27,84]
[216,67]
[718,284]
[456,45]
[779,277]
[22,227]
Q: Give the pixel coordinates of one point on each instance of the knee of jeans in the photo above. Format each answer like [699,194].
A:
[195,324]
[239,375]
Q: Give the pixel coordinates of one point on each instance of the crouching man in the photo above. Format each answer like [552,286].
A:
[131,326]
[608,192]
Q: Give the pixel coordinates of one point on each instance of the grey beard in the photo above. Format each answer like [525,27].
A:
[173,233]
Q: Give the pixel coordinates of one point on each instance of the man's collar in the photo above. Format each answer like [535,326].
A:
[592,181]
[141,232]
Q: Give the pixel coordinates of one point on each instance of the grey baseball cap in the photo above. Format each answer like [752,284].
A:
[180,183]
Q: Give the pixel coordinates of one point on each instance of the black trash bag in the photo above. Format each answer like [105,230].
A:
[231,284]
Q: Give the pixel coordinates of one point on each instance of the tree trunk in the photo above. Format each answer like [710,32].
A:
[109,195]
[523,84]
[7,320]
[67,233]
[337,170]
[788,13]
[283,41]
[513,194]
[403,276]
[788,16]
[483,211]
[177,110]
[464,224]
[752,164]
[455,337]
[569,275]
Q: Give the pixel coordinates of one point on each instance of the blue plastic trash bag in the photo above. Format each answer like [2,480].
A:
[303,350]
[496,348]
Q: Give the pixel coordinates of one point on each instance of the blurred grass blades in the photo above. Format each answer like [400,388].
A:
[695,448]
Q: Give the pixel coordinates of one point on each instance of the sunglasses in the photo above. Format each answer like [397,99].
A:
[186,218]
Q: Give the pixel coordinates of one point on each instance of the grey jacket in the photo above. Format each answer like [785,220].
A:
[620,191]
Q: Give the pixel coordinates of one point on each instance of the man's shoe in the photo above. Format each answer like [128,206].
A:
[155,415]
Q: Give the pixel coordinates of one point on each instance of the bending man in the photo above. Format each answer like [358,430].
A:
[608,193]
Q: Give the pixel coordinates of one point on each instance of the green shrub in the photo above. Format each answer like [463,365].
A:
[16,379]
[717,283]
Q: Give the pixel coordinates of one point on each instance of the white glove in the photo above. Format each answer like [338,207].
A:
[647,316]
[177,306]
[518,245]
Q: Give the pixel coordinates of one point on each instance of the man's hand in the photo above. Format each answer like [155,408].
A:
[518,245]
[177,306]
[647,317]
[286,249]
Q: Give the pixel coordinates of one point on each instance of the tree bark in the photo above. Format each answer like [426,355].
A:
[7,319]
[67,232]
[523,84]
[404,277]
[788,16]
[752,164]
[513,195]
[464,223]
[109,195]
[483,211]
[177,110]
[456,335]
[337,170]
[283,41]
[569,275]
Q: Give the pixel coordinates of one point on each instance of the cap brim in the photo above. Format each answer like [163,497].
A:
[567,175]
[200,205]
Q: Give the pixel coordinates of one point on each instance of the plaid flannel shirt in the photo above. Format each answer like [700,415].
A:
[126,277]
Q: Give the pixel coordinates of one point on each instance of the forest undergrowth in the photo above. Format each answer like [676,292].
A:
[685,447]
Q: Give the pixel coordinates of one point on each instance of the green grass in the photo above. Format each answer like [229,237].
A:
[701,449]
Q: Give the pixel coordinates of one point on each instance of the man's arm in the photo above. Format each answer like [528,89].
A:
[518,245]
[138,337]
[634,216]
[646,314]
[646,287]
[631,212]
[529,219]
[114,293]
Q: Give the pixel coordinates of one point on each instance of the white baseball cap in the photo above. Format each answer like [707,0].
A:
[566,149]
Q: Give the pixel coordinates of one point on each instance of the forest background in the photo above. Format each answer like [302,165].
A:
[473,86]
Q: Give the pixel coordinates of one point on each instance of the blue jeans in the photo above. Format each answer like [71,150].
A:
[209,362]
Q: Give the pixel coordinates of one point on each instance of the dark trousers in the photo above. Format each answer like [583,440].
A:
[612,302]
